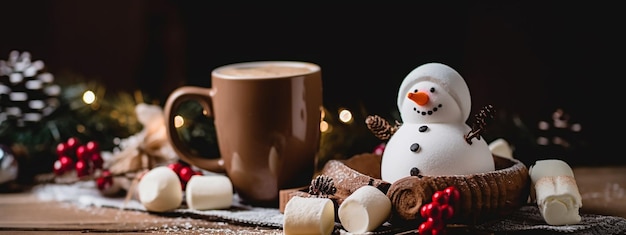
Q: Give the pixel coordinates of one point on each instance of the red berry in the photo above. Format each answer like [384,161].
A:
[430,210]
[96,160]
[436,224]
[62,149]
[92,146]
[379,149]
[81,153]
[66,161]
[447,211]
[105,181]
[425,211]
[57,167]
[72,142]
[425,228]
[186,173]
[440,197]
[62,165]
[453,195]
[175,166]
[107,184]
[82,168]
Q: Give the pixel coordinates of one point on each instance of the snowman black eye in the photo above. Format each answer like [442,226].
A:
[415,91]
[432,90]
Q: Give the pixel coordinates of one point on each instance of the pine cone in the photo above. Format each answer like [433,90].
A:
[380,127]
[27,94]
[323,186]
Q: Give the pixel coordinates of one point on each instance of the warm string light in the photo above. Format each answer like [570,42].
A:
[345,116]
[179,121]
[324,126]
[89,97]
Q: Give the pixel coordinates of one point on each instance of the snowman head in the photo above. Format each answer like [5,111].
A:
[434,92]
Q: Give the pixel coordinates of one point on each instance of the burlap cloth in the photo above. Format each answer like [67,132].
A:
[526,220]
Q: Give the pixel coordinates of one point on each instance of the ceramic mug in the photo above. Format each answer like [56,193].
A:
[266,116]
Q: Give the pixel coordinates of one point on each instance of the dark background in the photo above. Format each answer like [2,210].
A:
[526,59]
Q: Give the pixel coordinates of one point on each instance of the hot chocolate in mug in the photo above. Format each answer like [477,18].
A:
[266,116]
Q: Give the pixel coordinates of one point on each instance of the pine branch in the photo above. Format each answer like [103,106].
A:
[481,120]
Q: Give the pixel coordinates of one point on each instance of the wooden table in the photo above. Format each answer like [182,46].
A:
[23,213]
[603,190]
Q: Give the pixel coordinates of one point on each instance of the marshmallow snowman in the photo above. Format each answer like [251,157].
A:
[434,103]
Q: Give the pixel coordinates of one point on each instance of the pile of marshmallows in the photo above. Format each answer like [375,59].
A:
[160,190]
[364,210]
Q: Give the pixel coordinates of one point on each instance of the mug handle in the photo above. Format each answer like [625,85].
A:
[204,96]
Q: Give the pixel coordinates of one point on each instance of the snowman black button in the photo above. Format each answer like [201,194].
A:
[423,128]
[415,171]
[415,147]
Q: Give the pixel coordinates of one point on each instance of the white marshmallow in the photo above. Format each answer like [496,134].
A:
[206,192]
[160,190]
[555,190]
[364,210]
[500,147]
[308,215]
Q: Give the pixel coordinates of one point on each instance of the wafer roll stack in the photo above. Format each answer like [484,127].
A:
[555,191]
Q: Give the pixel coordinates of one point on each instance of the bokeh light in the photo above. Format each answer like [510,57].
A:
[345,116]
[179,121]
[89,97]
[324,126]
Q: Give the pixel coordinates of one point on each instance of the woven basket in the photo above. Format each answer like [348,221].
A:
[483,196]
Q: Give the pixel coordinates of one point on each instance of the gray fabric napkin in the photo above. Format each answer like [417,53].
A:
[528,220]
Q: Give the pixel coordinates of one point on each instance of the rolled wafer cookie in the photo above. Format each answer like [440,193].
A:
[309,215]
[364,210]
[555,191]
[160,190]
[207,192]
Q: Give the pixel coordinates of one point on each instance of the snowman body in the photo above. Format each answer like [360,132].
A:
[434,103]
[433,149]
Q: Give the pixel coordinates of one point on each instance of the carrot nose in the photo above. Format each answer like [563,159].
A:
[420,98]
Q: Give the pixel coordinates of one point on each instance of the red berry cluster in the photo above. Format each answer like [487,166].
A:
[85,159]
[184,172]
[105,182]
[440,209]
